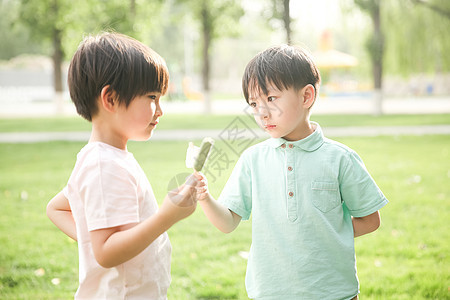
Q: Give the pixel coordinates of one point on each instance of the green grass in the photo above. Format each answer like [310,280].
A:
[407,258]
[196,121]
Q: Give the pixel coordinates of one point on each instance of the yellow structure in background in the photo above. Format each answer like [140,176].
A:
[329,58]
[189,93]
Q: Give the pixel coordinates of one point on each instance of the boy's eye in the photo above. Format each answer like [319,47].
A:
[252,104]
[153,97]
[271,98]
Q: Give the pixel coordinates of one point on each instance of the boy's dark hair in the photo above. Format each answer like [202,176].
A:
[283,66]
[129,67]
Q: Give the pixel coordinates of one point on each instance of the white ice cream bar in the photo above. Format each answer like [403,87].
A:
[205,148]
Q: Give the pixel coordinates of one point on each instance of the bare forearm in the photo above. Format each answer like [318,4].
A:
[58,211]
[64,221]
[123,245]
[219,215]
[120,244]
[366,224]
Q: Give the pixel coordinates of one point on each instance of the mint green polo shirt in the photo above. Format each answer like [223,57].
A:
[301,196]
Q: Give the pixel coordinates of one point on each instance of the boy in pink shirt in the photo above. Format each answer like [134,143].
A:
[108,205]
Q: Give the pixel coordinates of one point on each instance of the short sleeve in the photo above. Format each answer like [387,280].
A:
[358,190]
[237,192]
[66,192]
[109,193]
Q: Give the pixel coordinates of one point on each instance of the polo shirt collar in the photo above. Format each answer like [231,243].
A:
[311,143]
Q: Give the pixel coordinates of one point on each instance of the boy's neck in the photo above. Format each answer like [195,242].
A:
[102,132]
[301,132]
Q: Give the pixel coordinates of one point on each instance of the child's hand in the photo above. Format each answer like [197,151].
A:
[181,201]
[202,186]
[184,195]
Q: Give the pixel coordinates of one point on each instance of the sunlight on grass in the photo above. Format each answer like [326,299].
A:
[198,121]
[407,258]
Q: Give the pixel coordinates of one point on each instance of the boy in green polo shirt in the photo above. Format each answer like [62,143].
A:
[309,196]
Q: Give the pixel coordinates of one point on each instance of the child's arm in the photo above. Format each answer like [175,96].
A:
[59,212]
[224,219]
[116,245]
[366,224]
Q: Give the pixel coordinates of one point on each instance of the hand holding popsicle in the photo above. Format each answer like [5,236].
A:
[181,201]
[196,158]
[202,187]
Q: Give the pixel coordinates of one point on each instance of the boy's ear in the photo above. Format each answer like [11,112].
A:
[308,95]
[108,99]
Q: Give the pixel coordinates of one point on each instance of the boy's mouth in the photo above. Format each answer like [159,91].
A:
[269,126]
[154,123]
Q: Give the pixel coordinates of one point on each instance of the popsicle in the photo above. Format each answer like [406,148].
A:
[205,148]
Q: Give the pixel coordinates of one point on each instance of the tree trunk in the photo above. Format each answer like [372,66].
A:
[133,10]
[206,24]
[57,60]
[287,21]
[377,58]
[57,64]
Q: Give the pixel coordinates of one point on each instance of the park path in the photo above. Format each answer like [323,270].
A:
[407,105]
[324,105]
[233,132]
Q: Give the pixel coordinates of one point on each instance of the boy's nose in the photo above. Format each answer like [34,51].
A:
[264,112]
[159,112]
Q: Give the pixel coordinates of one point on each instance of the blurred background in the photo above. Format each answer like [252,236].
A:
[370,52]
[385,93]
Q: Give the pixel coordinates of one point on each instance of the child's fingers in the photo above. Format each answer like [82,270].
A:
[204,179]
[202,183]
[202,189]
[186,197]
[192,180]
[198,175]
[185,194]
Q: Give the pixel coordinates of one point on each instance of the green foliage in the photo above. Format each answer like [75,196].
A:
[75,19]
[220,17]
[416,37]
[407,258]
[414,34]
[133,17]
[15,37]
[368,5]
[45,18]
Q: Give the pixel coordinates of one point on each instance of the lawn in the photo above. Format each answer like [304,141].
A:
[407,258]
[197,121]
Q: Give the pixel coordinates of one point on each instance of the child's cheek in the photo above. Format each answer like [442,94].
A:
[258,121]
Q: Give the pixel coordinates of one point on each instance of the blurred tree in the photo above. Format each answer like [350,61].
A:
[444,11]
[280,10]
[217,18]
[417,41]
[112,15]
[136,18]
[47,21]
[408,37]
[375,47]
[14,35]
[60,22]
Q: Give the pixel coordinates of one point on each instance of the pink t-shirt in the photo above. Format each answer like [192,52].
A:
[108,188]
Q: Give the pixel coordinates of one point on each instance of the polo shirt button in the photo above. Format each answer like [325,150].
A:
[291,194]
[283,146]
[290,168]
[291,146]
